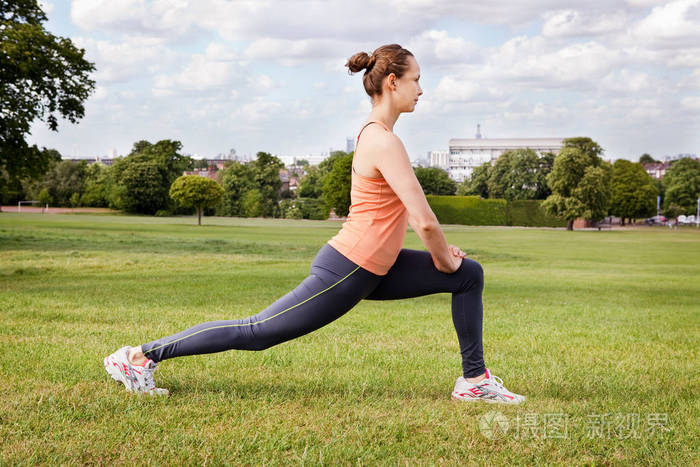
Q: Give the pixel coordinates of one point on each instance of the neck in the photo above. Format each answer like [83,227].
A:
[385,113]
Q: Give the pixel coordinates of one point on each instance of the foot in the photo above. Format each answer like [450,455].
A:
[489,390]
[136,378]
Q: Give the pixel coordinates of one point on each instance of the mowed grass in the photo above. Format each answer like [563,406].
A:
[599,329]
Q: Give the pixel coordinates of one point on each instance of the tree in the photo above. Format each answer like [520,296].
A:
[267,177]
[520,174]
[43,77]
[646,159]
[477,184]
[64,179]
[193,191]
[97,180]
[237,179]
[580,182]
[44,198]
[144,176]
[633,191]
[336,186]
[312,184]
[682,183]
[435,181]
[252,203]
[144,183]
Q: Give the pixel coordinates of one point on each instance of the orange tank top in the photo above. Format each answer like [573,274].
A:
[373,234]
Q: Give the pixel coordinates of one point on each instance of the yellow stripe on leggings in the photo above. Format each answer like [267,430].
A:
[256,322]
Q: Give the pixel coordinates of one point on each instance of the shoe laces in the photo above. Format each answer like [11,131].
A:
[148,379]
[495,380]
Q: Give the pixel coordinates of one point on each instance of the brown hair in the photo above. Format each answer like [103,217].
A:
[385,60]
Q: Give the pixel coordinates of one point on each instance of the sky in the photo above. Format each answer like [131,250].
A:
[269,76]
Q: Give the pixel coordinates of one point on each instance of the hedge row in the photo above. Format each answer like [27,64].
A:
[529,213]
[473,210]
[468,210]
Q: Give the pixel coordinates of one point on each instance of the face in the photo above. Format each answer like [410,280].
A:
[406,89]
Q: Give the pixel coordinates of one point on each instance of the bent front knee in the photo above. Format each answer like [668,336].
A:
[472,273]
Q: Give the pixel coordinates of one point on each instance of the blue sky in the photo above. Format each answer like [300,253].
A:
[269,75]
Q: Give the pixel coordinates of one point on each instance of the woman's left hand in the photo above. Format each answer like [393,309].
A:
[456,251]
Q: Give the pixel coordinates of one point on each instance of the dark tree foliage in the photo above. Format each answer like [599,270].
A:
[435,181]
[646,159]
[252,189]
[682,183]
[43,77]
[633,191]
[237,179]
[336,185]
[145,175]
[65,179]
[311,185]
[477,184]
[580,182]
[267,178]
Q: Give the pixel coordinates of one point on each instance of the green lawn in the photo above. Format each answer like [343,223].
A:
[600,330]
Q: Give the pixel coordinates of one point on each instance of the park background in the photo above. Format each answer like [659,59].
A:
[598,328]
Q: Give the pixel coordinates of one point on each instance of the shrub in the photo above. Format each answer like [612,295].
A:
[468,210]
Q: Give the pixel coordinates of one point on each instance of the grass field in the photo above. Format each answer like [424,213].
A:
[600,330]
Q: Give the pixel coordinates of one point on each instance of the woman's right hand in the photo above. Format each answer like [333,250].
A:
[454,260]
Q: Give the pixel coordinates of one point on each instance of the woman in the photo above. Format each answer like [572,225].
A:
[363,261]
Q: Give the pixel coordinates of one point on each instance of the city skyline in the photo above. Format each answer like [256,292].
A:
[218,75]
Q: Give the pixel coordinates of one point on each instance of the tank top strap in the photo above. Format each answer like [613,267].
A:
[369,123]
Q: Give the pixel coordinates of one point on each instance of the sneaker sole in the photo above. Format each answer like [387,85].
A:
[487,401]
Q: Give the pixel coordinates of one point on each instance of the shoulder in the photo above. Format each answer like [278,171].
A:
[375,137]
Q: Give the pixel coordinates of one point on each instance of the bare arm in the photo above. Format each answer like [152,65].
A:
[396,169]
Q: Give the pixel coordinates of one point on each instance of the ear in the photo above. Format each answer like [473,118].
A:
[391,80]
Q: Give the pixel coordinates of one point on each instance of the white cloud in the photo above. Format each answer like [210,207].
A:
[453,89]
[626,81]
[100,93]
[434,46]
[691,102]
[262,83]
[201,74]
[676,23]
[570,23]
[258,110]
[47,7]
[122,61]
[159,18]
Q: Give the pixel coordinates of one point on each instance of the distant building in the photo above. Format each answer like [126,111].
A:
[465,154]
[656,170]
[349,145]
[92,160]
[289,179]
[209,172]
[439,159]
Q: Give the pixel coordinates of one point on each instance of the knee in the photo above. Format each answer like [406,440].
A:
[472,274]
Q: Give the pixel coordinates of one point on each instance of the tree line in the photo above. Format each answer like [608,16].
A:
[576,183]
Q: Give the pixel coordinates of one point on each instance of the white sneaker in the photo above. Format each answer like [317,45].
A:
[136,378]
[490,390]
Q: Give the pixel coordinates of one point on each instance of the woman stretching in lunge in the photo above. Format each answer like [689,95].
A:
[363,261]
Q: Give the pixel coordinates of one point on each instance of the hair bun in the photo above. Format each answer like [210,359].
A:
[372,61]
[359,62]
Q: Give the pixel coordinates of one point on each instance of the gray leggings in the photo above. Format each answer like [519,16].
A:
[334,286]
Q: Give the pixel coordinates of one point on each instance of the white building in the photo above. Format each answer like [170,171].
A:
[465,154]
[439,159]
